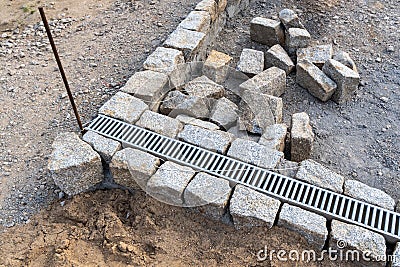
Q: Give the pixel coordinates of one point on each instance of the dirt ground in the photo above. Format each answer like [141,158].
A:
[101,44]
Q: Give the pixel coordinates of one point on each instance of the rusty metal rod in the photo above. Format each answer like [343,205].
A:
[60,67]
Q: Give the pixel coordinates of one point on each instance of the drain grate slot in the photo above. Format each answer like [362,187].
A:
[323,201]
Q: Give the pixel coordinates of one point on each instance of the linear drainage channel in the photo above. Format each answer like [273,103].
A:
[324,202]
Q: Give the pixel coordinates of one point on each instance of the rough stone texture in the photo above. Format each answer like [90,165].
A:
[368,194]
[208,194]
[235,6]
[274,137]
[266,31]
[361,239]
[74,166]
[251,61]
[271,81]
[345,59]
[213,140]
[164,60]
[196,122]
[150,86]
[297,38]
[289,19]
[216,66]
[204,87]
[176,103]
[314,80]
[222,5]
[346,79]
[243,134]
[287,168]
[160,123]
[197,21]
[169,182]
[306,223]
[224,113]
[301,137]
[257,111]
[189,42]
[396,254]
[132,168]
[317,55]
[253,153]
[398,206]
[250,208]
[276,56]
[106,147]
[124,107]
[316,174]
[210,6]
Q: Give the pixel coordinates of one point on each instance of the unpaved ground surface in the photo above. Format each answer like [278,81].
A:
[101,45]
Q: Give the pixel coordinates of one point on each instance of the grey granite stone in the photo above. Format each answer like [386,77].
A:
[197,21]
[287,168]
[271,81]
[274,137]
[74,166]
[276,56]
[176,103]
[266,31]
[251,61]
[169,182]
[189,42]
[243,134]
[159,123]
[209,194]
[216,66]
[210,6]
[346,79]
[301,137]
[204,87]
[197,122]
[253,153]
[164,60]
[297,38]
[124,107]
[354,237]
[345,59]
[106,147]
[314,80]
[218,141]
[150,86]
[250,208]
[289,19]
[308,224]
[317,55]
[396,256]
[224,113]
[368,194]
[316,174]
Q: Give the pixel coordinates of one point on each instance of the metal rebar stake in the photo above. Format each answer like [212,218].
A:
[60,67]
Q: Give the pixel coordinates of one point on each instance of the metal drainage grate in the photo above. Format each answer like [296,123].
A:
[324,202]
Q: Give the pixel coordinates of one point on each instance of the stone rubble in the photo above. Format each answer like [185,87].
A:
[251,62]
[274,137]
[159,123]
[276,56]
[106,147]
[271,81]
[176,103]
[216,66]
[301,137]
[224,113]
[204,87]
[266,31]
[317,55]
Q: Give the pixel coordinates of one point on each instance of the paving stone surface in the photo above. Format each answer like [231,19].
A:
[368,194]
[296,38]
[106,147]
[314,80]
[266,31]
[124,107]
[169,183]
[301,137]
[317,55]
[250,208]
[276,56]
[150,86]
[345,59]
[73,164]
[197,122]
[216,66]
[308,224]
[361,239]
[253,153]
[164,60]
[271,81]
[316,174]
[189,42]
[204,87]
[274,137]
[208,194]
[251,61]
[217,141]
[224,113]
[159,123]
[346,79]
[197,21]
[177,103]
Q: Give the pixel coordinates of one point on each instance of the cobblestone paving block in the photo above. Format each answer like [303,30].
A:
[276,56]
[251,61]
[177,103]
[266,31]
[289,19]
[106,147]
[204,87]
[159,123]
[296,38]
[216,66]
[197,21]
[224,113]
[317,55]
[189,42]
[197,122]
[271,81]
[301,137]
[274,137]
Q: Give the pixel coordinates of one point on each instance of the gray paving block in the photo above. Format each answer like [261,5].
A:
[204,87]
[216,66]
[271,81]
[368,194]
[314,80]
[197,21]
[276,56]
[274,137]
[74,166]
[289,19]
[164,60]
[159,123]
[169,182]
[106,147]
[345,59]
[251,61]
[189,42]
[266,31]
[197,122]
[253,153]
[210,6]
[308,224]
[287,168]
[316,174]
[124,107]
[296,38]
[224,113]
[250,208]
[301,137]
[177,103]
[208,194]
[317,54]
